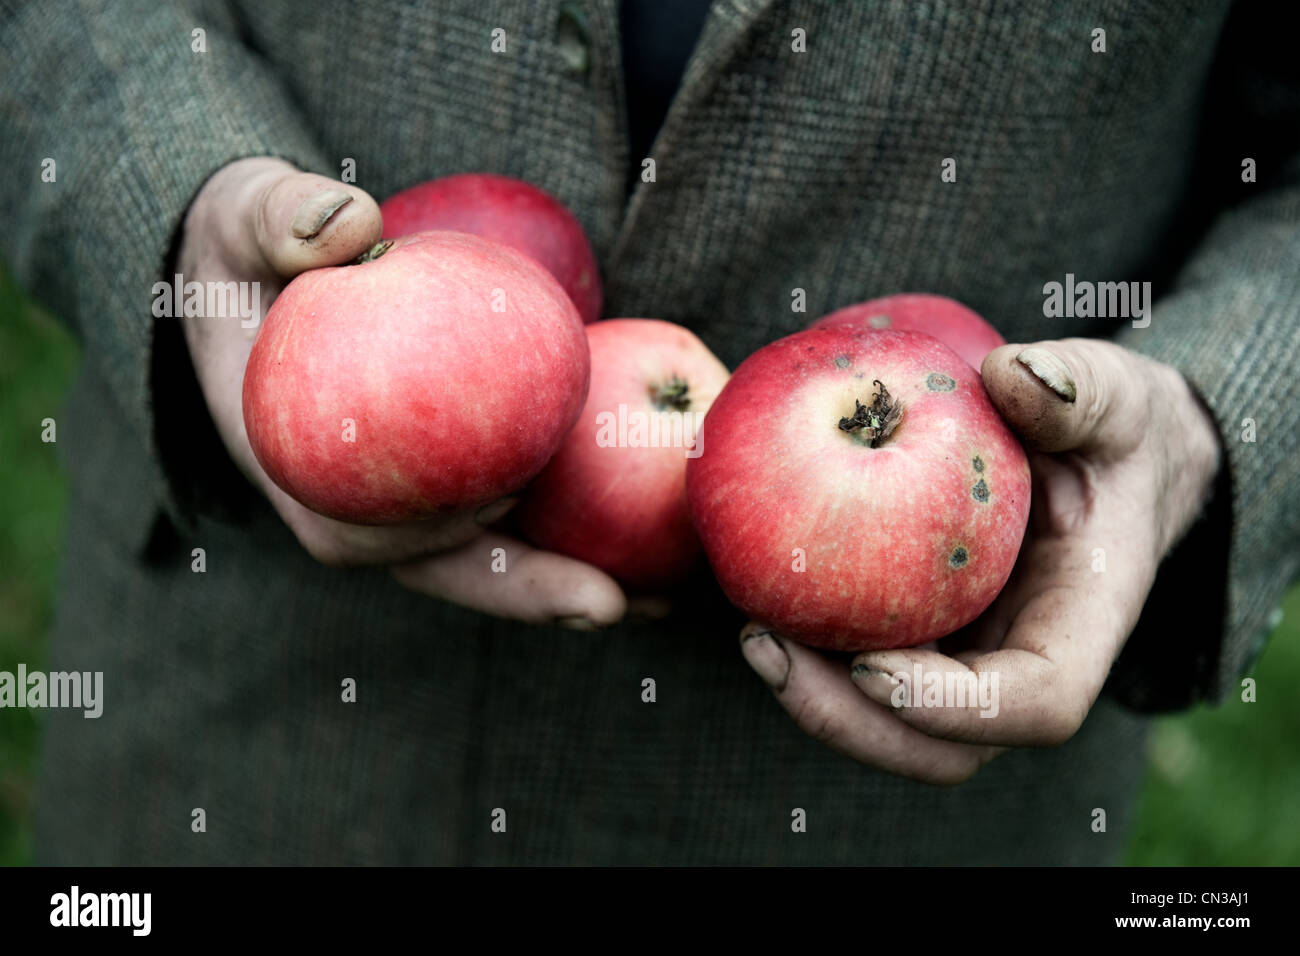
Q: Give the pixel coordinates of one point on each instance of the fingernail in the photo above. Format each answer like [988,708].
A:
[877,684]
[648,609]
[490,514]
[768,658]
[576,623]
[317,210]
[1049,370]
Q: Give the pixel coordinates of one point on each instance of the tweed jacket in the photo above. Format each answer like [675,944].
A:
[973,148]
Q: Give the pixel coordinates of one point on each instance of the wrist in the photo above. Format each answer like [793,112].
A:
[1192,453]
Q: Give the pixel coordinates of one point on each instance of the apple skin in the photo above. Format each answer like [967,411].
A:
[510,211]
[623,508]
[953,324]
[454,404]
[901,544]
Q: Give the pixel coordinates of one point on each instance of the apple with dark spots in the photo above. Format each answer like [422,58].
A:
[438,375]
[858,490]
[953,324]
[614,495]
[509,211]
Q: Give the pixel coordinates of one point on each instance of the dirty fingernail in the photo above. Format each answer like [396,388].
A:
[494,512]
[648,609]
[768,658]
[875,683]
[1049,370]
[317,210]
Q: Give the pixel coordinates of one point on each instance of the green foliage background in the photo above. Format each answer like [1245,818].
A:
[1222,787]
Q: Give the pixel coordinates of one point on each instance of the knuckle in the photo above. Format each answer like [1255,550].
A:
[1062,723]
[263,204]
[818,718]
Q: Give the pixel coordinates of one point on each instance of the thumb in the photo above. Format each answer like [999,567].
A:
[1065,395]
[304,221]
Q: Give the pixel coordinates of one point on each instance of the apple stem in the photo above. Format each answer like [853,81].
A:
[671,395]
[880,418]
[374,252]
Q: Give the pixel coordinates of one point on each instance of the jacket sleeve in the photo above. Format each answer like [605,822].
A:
[1230,323]
[114,115]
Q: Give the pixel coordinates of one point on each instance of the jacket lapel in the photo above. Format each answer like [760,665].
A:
[728,24]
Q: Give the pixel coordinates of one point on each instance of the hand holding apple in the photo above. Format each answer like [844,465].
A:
[439,373]
[261,220]
[858,490]
[1123,458]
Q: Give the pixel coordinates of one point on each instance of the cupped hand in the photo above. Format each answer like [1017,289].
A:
[263,221]
[1123,457]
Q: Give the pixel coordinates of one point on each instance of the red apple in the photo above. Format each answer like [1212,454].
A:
[614,495]
[510,211]
[858,490]
[956,326]
[438,376]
